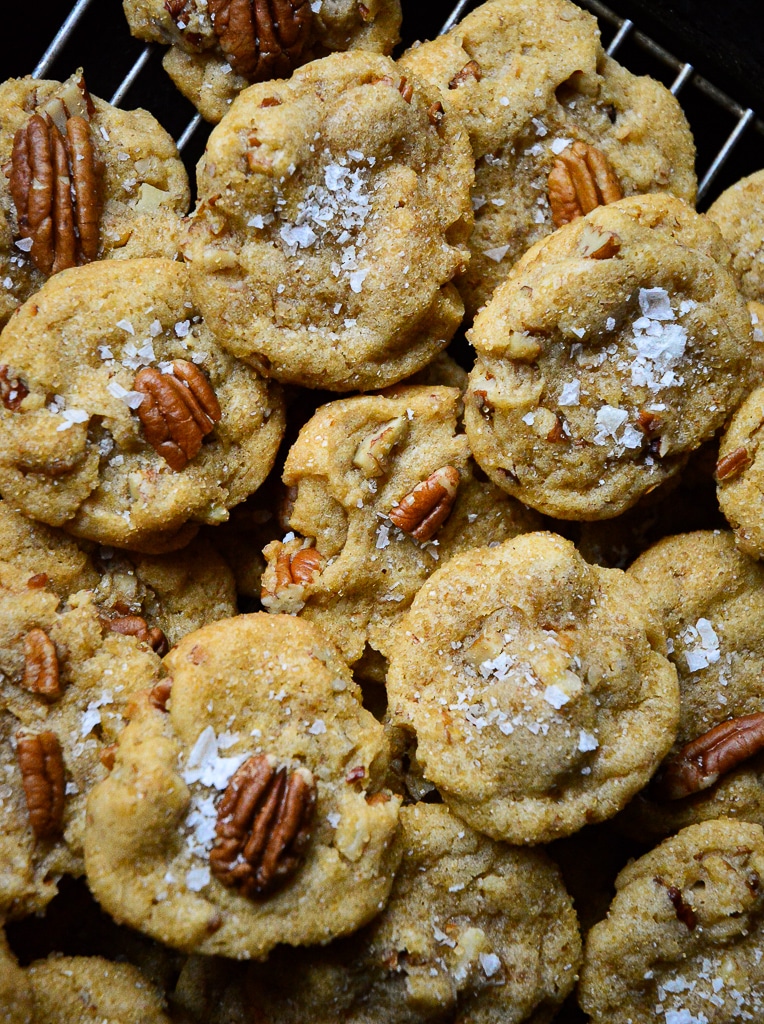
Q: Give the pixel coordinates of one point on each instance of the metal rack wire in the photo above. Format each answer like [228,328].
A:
[680,77]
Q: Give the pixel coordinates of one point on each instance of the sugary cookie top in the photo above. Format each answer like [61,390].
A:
[252,803]
[740,474]
[29,548]
[536,686]
[15,993]
[615,348]
[125,422]
[129,185]
[333,212]
[739,212]
[65,678]
[711,600]
[386,492]
[534,86]
[682,940]
[211,65]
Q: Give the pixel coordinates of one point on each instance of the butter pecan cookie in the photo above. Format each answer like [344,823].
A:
[134,425]
[740,474]
[711,599]
[31,549]
[219,47]
[537,687]
[253,804]
[385,491]
[84,181]
[334,210]
[65,677]
[473,931]
[739,212]
[616,347]
[682,940]
[15,994]
[85,989]
[556,127]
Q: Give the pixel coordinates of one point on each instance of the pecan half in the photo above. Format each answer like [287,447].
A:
[136,625]
[179,409]
[733,464]
[12,390]
[55,181]
[470,72]
[261,38]
[700,763]
[298,568]
[41,761]
[41,665]
[424,510]
[263,826]
[580,180]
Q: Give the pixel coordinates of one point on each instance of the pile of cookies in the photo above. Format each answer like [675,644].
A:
[340,682]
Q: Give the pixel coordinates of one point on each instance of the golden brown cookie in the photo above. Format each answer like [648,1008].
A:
[739,212]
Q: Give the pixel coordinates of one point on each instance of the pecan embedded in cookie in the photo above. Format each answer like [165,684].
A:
[262,38]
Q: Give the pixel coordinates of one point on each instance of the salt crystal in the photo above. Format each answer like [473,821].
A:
[655,303]
[71,416]
[383,536]
[126,326]
[570,394]
[333,818]
[317,728]
[182,328]
[132,399]
[558,145]
[555,696]
[356,280]
[25,244]
[587,741]
[197,878]
[490,963]
[496,254]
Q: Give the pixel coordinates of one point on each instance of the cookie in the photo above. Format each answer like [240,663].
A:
[117,384]
[711,600]
[740,474]
[65,677]
[385,491]
[537,687]
[211,62]
[682,939]
[15,994]
[29,548]
[615,347]
[126,193]
[556,127]
[332,218]
[473,931]
[84,989]
[249,812]
[739,212]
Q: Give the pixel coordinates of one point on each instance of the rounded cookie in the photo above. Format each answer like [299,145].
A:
[537,687]
[129,188]
[740,474]
[65,678]
[333,211]
[15,993]
[29,548]
[739,212]
[118,383]
[385,491]
[711,600]
[250,812]
[615,347]
[682,939]
[210,63]
[548,112]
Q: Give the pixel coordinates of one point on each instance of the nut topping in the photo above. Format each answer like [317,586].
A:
[261,38]
[436,114]
[41,665]
[299,568]
[71,100]
[55,185]
[136,625]
[12,390]
[581,179]
[371,455]
[160,693]
[41,761]
[426,508]
[596,244]
[470,72]
[263,826]
[733,464]
[179,409]
[683,911]
[700,763]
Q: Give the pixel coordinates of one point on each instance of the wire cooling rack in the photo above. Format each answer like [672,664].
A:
[729,136]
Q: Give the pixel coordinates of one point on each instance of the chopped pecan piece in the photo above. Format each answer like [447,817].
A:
[436,114]
[175,8]
[12,390]
[179,409]
[700,763]
[55,183]
[136,625]
[683,911]
[470,72]
[580,180]
[261,38]
[371,455]
[263,826]
[160,694]
[423,511]
[41,674]
[733,464]
[596,244]
[41,761]
[71,100]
